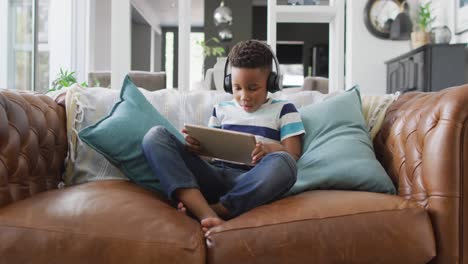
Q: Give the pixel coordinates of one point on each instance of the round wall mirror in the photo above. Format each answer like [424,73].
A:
[379,16]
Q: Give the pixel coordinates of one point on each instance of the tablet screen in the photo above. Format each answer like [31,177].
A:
[223,144]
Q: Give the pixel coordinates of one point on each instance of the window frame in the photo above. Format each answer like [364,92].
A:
[176,50]
[333,14]
[13,47]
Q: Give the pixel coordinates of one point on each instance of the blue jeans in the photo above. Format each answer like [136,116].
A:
[237,188]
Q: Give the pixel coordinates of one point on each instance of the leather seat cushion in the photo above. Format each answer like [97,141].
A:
[327,227]
[100,222]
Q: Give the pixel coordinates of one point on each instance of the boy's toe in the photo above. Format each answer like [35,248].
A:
[181,208]
[211,222]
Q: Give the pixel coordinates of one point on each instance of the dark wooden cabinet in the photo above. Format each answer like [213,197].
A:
[428,68]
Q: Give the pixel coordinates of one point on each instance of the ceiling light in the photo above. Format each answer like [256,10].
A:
[222,15]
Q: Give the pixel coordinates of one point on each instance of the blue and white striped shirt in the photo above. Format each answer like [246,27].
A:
[274,121]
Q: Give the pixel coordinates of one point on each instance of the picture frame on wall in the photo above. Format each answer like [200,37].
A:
[461,16]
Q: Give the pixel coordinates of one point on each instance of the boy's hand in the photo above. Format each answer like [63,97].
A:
[259,152]
[262,149]
[191,144]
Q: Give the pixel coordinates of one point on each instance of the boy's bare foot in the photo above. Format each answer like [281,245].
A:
[210,222]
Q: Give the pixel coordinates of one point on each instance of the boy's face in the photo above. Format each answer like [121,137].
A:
[249,87]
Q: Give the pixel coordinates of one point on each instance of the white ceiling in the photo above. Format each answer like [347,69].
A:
[166,11]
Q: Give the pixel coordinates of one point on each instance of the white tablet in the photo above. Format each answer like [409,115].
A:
[223,144]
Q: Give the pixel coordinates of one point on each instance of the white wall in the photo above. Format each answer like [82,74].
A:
[100,46]
[80,39]
[121,42]
[60,36]
[447,8]
[366,54]
[100,54]
[69,37]
[463,38]
[3,44]
[146,9]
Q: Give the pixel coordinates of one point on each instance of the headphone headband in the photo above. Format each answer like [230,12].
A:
[274,79]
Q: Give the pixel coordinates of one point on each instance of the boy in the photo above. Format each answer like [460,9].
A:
[220,190]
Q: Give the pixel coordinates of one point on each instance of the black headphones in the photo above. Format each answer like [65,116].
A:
[274,79]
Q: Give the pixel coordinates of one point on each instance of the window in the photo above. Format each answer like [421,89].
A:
[42,60]
[21,45]
[329,12]
[26,50]
[293,75]
[170,57]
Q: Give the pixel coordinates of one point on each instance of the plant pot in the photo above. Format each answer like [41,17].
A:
[441,35]
[420,38]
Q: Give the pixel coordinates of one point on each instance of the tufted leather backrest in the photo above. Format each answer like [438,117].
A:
[33,144]
[423,145]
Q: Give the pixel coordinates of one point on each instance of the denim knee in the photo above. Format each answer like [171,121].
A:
[154,135]
[268,181]
[285,164]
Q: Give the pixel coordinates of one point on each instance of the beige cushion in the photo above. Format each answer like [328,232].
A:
[150,81]
[374,108]
[99,79]
[315,83]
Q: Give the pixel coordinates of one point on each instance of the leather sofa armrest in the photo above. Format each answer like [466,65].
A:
[423,145]
[33,144]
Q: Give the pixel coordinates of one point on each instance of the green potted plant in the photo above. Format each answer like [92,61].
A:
[421,33]
[64,79]
[212,47]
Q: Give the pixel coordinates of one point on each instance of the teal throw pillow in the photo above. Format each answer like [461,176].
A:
[118,135]
[337,149]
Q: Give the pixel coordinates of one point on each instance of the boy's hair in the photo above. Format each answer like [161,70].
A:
[251,54]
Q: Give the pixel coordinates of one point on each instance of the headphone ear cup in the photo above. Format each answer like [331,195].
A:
[227,84]
[273,82]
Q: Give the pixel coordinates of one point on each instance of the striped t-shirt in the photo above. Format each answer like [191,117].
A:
[274,121]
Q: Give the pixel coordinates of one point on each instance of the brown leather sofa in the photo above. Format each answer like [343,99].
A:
[423,145]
